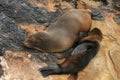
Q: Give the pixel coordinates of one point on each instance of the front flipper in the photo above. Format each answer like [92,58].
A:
[49,70]
[82,48]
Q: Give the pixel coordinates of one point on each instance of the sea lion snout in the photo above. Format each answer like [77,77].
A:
[27,43]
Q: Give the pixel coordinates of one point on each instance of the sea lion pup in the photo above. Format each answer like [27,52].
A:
[62,34]
[80,56]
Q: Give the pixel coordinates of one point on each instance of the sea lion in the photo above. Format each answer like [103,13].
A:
[62,34]
[80,56]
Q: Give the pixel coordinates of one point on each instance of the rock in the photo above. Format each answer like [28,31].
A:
[24,12]
[117,18]
[1,70]
[11,35]
[96,14]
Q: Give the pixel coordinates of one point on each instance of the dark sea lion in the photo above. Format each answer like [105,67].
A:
[62,34]
[80,56]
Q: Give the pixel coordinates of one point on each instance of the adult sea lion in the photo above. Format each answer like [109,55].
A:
[62,34]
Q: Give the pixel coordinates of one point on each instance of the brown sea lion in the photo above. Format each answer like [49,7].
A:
[80,56]
[62,34]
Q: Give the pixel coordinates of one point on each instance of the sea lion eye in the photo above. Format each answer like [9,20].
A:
[30,38]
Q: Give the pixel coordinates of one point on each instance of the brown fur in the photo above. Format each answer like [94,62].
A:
[62,34]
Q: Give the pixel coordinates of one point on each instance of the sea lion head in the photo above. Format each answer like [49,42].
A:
[37,41]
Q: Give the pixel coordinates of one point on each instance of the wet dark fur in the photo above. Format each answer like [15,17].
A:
[77,61]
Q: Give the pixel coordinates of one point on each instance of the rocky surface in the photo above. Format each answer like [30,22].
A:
[23,11]
[20,18]
[11,35]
